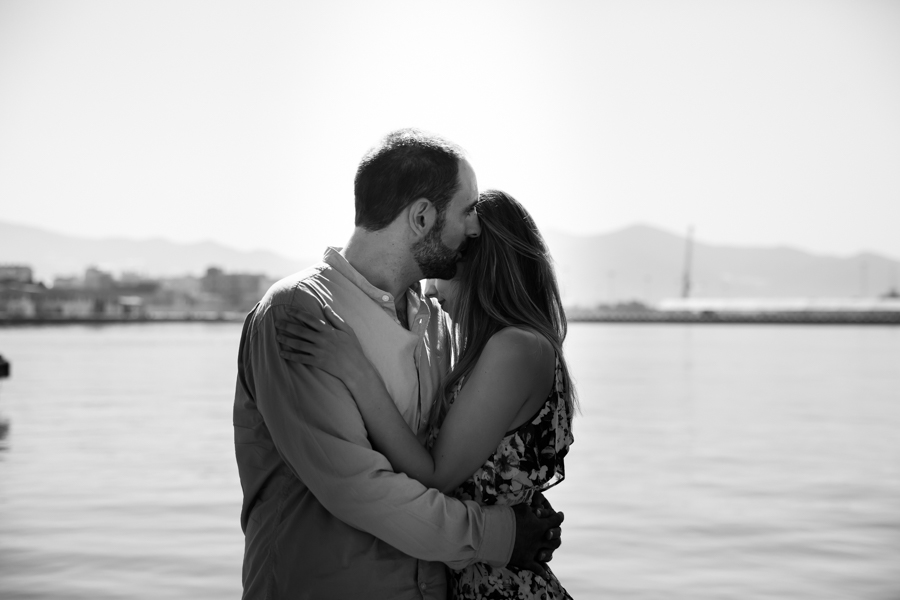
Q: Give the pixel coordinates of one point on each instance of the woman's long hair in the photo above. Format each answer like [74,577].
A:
[506,280]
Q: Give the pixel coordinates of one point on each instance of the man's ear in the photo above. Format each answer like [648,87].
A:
[422,215]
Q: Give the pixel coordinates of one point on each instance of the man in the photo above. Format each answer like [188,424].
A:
[324,515]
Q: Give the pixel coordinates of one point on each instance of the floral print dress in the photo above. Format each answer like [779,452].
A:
[528,459]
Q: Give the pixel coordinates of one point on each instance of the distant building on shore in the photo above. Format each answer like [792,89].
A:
[16,274]
[99,295]
[236,289]
[95,279]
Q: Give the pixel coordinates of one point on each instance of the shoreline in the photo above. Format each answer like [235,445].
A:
[222,318]
[803,317]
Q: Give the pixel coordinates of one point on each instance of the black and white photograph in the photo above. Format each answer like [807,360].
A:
[450,301]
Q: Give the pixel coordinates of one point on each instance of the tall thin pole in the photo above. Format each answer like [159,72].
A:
[686,280]
[863,278]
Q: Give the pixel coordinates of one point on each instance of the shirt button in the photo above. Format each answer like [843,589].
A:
[422,586]
[385,297]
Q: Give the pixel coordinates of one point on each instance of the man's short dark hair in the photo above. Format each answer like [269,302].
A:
[406,165]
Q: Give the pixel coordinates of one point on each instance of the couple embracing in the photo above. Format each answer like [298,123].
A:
[382,431]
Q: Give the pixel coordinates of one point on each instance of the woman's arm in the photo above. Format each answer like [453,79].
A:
[511,372]
[513,375]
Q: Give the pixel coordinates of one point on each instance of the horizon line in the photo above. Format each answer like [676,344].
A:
[550,230]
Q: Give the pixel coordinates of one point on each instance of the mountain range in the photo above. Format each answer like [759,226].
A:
[635,263]
[52,254]
[646,263]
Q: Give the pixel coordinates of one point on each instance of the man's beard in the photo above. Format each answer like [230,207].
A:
[435,260]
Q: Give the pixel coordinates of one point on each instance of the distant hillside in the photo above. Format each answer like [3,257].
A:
[645,263]
[51,254]
[635,263]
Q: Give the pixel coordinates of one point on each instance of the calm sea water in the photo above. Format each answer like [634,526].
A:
[711,462]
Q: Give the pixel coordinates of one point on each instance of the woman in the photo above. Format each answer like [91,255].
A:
[504,422]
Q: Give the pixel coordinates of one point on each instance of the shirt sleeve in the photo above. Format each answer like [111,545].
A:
[319,432]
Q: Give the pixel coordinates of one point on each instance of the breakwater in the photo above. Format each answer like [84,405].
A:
[807,317]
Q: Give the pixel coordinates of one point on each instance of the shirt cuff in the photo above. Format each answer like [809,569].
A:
[499,536]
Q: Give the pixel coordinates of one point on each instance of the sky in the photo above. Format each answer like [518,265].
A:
[758,123]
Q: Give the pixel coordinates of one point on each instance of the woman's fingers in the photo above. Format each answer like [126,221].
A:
[297,357]
[307,320]
[335,321]
[300,352]
[302,326]
[284,327]
[292,355]
[295,344]
[295,329]
[299,333]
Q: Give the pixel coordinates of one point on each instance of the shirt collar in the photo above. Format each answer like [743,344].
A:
[339,263]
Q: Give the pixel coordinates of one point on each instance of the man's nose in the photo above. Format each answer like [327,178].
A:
[473,227]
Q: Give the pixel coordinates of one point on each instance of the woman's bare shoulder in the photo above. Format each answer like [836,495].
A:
[528,351]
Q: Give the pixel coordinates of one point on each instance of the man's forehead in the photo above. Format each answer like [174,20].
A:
[466,174]
[468,189]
